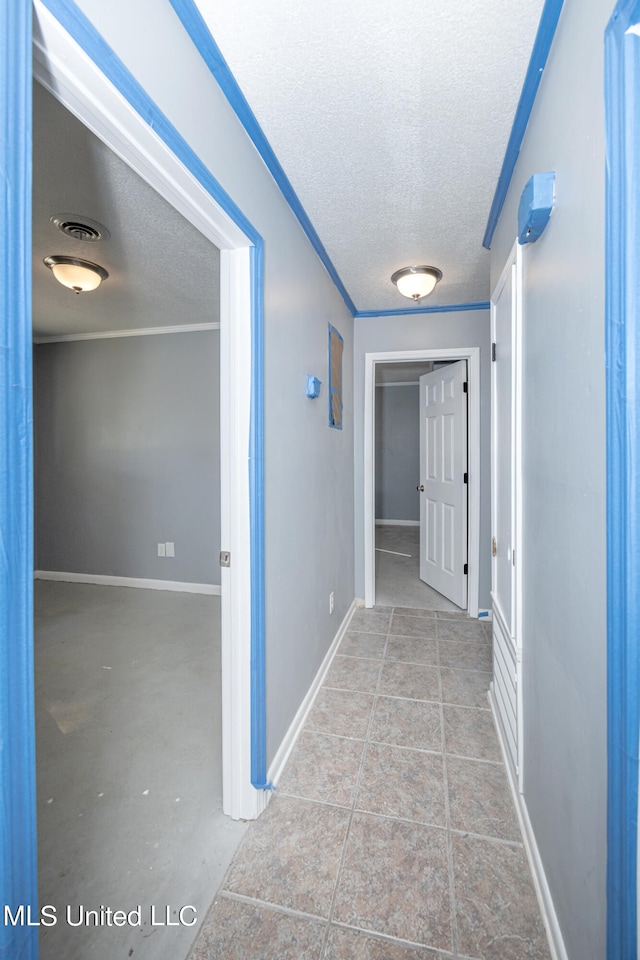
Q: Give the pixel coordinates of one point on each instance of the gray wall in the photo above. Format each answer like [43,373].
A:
[397,452]
[469,328]
[128,455]
[308,466]
[564,549]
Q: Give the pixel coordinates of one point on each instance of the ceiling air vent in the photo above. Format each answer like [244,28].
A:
[80,228]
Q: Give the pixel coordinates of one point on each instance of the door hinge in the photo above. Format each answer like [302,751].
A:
[513,557]
[465,569]
[493,351]
[465,387]
[494,547]
[225,558]
[465,479]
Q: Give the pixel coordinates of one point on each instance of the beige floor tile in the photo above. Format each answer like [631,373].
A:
[290,856]
[375,620]
[368,645]
[395,881]
[452,615]
[353,673]
[407,723]
[241,931]
[496,907]
[341,712]
[414,612]
[468,630]
[468,688]
[412,650]
[469,732]
[413,626]
[415,681]
[480,799]
[402,783]
[465,655]
[344,944]
[322,768]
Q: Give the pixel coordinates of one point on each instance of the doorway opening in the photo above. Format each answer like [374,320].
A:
[104,100]
[384,542]
[126,640]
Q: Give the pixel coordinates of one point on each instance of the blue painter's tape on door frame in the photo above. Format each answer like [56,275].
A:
[18,867]
[622,347]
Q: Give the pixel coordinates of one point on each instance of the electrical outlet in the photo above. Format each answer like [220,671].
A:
[171,549]
[161,550]
[331,601]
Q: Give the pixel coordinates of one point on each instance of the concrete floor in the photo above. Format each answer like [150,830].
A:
[128,738]
[398,580]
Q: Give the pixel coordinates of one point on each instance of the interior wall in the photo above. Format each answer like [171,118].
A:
[564,545]
[397,452]
[308,466]
[420,331]
[128,456]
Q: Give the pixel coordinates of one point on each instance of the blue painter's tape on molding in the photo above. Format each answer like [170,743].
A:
[536,204]
[208,49]
[539,55]
[406,311]
[18,876]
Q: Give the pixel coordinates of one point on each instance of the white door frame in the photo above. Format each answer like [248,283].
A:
[472,356]
[64,69]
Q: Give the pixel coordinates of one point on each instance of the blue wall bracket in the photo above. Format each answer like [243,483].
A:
[313,387]
[536,204]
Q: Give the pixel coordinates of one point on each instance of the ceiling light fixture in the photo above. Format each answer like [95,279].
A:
[416,282]
[79,275]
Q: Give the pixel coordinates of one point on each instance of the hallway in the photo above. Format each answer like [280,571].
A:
[392,835]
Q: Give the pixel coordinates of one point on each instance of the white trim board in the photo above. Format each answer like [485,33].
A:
[174,586]
[540,883]
[292,734]
[397,523]
[72,77]
[137,332]
[472,356]
[400,383]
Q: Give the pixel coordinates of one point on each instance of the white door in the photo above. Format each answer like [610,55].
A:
[443,486]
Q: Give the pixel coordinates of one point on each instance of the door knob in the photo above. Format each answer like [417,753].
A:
[420,489]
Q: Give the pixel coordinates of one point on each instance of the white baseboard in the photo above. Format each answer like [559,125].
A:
[292,734]
[176,586]
[547,908]
[397,523]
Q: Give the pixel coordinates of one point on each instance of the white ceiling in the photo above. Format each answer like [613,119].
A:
[162,271]
[391,122]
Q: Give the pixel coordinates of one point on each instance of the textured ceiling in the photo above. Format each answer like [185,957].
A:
[162,271]
[391,122]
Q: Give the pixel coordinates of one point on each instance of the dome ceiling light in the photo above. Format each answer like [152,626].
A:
[79,275]
[416,282]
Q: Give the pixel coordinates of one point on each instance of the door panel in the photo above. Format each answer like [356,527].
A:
[443,463]
[507,548]
[503,447]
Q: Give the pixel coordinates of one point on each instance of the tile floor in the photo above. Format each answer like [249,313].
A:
[392,835]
